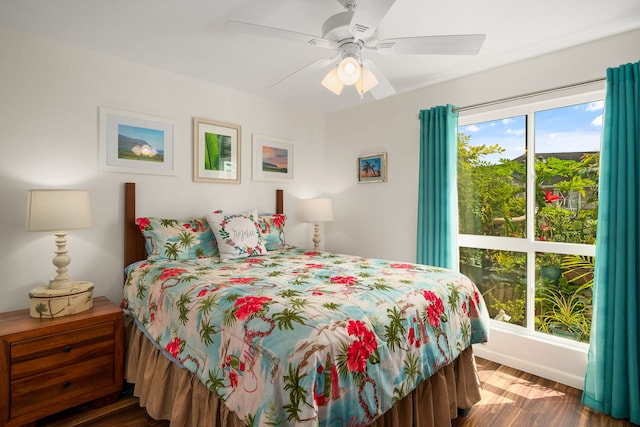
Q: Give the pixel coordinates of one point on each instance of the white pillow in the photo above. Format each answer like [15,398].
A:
[238,235]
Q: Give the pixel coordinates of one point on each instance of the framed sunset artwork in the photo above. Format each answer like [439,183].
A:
[272,159]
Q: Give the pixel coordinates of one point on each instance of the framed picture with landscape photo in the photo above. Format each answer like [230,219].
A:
[216,152]
[135,143]
[272,159]
[372,167]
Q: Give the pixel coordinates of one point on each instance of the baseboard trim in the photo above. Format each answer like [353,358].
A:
[574,381]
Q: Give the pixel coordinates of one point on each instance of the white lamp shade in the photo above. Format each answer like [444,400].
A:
[366,82]
[58,210]
[332,82]
[349,71]
[316,210]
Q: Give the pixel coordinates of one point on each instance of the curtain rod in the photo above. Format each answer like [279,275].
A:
[529,95]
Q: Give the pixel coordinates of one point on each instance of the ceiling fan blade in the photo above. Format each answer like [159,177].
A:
[367,17]
[467,44]
[303,73]
[279,33]
[383,88]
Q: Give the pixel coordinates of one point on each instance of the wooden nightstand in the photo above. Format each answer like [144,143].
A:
[48,365]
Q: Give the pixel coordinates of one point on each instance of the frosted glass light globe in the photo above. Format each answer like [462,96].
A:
[349,71]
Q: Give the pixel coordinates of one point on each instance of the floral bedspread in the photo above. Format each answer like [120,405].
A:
[307,338]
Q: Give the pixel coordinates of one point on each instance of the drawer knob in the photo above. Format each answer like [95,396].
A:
[67,348]
[66,384]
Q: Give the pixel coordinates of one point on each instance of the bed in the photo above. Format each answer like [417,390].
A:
[295,337]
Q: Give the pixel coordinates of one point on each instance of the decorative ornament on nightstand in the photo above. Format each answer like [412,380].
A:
[316,211]
[59,210]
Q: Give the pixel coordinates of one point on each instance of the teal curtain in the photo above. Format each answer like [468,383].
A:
[437,188]
[612,382]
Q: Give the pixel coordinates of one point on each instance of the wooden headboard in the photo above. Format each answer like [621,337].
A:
[134,245]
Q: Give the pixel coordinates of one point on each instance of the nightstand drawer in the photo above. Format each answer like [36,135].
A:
[32,356]
[74,383]
[49,365]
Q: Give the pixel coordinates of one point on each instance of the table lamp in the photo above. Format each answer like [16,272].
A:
[316,211]
[58,211]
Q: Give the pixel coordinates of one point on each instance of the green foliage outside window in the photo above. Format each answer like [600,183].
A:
[492,202]
[492,197]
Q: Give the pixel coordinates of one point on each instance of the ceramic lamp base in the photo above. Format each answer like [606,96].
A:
[47,303]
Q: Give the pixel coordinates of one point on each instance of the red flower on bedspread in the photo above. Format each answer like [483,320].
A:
[242,280]
[405,266]
[312,253]
[246,306]
[173,347]
[357,328]
[315,265]
[357,355]
[205,291]
[344,280]
[168,273]
[435,309]
[360,350]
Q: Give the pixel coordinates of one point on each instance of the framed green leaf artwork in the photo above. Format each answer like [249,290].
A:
[216,152]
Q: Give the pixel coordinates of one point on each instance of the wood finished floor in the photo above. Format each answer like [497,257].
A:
[515,398]
[123,413]
[509,398]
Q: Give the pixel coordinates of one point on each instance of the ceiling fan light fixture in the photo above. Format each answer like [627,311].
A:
[332,82]
[366,82]
[349,71]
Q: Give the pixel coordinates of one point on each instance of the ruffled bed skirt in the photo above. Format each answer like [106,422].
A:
[169,392]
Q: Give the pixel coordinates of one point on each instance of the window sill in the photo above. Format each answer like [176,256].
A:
[550,357]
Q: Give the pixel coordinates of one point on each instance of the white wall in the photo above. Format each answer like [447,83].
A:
[50,94]
[49,99]
[379,220]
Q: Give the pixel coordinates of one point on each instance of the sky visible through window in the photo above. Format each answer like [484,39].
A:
[575,128]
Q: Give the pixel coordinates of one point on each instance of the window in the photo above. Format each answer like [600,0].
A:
[528,205]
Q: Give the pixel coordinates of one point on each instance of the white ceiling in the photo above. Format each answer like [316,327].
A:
[188,37]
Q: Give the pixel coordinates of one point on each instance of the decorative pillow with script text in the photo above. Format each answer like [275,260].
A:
[238,235]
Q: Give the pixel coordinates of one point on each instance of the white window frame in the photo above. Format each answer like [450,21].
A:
[527,106]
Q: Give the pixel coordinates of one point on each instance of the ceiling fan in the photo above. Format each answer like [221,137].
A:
[354,31]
